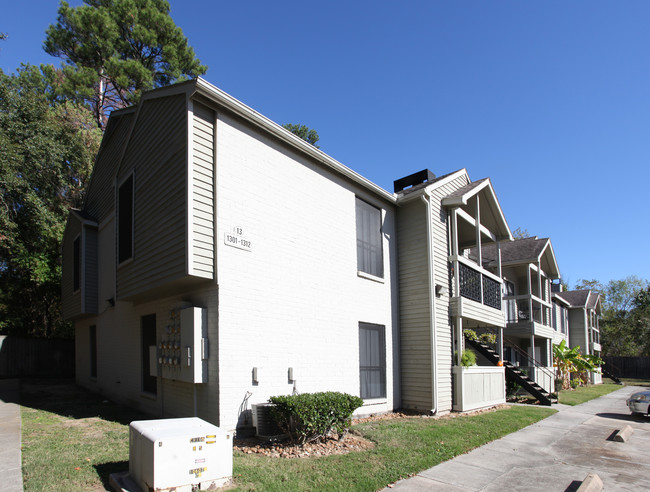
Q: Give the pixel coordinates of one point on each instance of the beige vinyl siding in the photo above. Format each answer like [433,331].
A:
[71,301]
[578,329]
[157,155]
[90,269]
[100,201]
[415,338]
[440,231]
[202,175]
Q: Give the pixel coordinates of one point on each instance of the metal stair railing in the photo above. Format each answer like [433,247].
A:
[513,373]
[548,375]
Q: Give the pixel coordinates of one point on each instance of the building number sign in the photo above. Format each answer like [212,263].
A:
[236,239]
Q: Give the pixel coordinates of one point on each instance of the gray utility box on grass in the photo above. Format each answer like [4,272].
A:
[179,454]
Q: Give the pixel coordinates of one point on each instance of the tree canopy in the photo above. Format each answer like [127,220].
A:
[47,148]
[625,325]
[304,132]
[112,50]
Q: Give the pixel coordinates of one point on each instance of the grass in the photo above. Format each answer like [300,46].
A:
[73,440]
[403,447]
[585,393]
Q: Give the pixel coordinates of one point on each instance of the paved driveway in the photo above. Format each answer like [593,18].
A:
[555,454]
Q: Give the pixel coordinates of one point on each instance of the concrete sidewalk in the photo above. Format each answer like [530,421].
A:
[11,477]
[555,454]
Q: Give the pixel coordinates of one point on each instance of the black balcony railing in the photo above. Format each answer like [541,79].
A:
[470,287]
[470,282]
[491,293]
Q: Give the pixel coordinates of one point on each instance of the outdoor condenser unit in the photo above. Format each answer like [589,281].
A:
[265,426]
[179,454]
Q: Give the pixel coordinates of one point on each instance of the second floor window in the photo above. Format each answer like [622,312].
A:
[369,245]
[125,220]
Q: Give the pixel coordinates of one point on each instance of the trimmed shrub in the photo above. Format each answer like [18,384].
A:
[313,416]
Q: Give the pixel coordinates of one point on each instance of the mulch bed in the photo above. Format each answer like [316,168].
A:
[352,441]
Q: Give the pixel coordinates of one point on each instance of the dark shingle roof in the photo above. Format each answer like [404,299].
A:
[467,188]
[517,250]
[576,298]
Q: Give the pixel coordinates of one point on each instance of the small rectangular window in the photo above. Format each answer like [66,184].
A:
[369,244]
[125,220]
[372,360]
[76,267]
[93,351]
[148,339]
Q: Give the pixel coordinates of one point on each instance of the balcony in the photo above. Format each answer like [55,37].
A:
[477,292]
[528,315]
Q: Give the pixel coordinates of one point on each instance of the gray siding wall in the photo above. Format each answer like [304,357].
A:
[202,175]
[157,155]
[415,317]
[100,201]
[71,301]
[90,269]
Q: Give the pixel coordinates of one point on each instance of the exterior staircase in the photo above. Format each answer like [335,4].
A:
[513,373]
[609,375]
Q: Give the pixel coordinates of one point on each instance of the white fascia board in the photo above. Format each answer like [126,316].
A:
[457,201]
[548,246]
[249,114]
[558,298]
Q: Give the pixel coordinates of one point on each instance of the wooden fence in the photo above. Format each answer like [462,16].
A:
[628,367]
[36,357]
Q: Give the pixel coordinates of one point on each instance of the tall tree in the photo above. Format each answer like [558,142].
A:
[618,330]
[115,49]
[304,132]
[47,148]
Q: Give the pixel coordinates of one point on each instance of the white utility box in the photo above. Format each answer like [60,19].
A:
[179,454]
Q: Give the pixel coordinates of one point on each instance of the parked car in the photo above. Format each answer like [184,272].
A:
[639,402]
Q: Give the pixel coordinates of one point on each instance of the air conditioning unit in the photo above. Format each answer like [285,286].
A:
[179,454]
[265,426]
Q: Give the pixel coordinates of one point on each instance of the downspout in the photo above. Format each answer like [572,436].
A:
[432,304]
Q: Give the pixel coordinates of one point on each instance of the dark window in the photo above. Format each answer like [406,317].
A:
[148,323]
[93,351]
[372,360]
[125,220]
[76,267]
[369,245]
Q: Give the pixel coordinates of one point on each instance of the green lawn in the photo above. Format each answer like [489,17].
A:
[586,393]
[73,440]
[403,447]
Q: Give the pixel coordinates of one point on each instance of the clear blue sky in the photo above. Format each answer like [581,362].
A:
[551,100]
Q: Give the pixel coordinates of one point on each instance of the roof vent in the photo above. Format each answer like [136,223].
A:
[420,177]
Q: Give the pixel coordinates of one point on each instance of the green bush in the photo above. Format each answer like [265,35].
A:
[487,338]
[313,416]
[470,335]
[468,358]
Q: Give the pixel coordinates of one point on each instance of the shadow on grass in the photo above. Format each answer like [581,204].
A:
[104,471]
[65,398]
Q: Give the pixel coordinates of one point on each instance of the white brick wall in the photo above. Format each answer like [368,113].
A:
[295,299]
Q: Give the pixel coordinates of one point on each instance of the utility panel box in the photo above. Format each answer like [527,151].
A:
[179,454]
[183,349]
